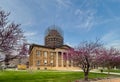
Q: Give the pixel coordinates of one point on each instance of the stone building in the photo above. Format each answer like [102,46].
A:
[51,55]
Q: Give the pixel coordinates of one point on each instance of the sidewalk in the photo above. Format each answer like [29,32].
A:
[117,79]
[106,72]
[108,80]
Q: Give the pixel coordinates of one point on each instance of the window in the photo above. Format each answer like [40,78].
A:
[64,65]
[38,62]
[38,53]
[51,61]
[45,54]
[45,62]
[38,68]
[51,53]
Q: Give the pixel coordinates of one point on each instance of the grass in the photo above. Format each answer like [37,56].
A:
[112,70]
[44,76]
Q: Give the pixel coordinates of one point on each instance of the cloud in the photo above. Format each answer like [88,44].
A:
[108,36]
[30,34]
[78,12]
[69,44]
[86,18]
[107,21]
[29,23]
[20,12]
[111,39]
[83,3]
[114,43]
[86,14]
[34,37]
[64,3]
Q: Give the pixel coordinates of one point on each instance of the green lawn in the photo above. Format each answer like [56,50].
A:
[44,76]
[112,70]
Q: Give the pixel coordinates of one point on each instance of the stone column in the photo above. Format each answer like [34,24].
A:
[67,60]
[34,59]
[62,59]
[56,59]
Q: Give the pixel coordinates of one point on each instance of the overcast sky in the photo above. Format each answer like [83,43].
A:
[80,20]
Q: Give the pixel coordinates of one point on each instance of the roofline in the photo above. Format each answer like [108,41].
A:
[33,45]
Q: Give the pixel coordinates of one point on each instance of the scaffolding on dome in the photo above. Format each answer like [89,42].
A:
[54,27]
[53,37]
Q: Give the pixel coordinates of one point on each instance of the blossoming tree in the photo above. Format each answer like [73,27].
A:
[84,56]
[11,38]
[108,58]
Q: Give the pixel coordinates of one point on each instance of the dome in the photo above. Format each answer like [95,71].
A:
[53,37]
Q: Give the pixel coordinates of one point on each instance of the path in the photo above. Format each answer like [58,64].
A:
[108,80]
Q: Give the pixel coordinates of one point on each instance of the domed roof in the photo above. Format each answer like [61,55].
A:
[54,30]
[54,37]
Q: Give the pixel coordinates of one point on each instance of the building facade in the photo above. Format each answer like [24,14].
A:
[53,55]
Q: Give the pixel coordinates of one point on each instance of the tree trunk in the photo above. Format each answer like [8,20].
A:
[6,61]
[108,70]
[86,76]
